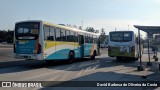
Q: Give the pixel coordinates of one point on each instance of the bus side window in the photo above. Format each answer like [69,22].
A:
[91,38]
[76,37]
[46,32]
[63,35]
[52,34]
[58,34]
[86,38]
[67,35]
[71,36]
[95,40]
[79,38]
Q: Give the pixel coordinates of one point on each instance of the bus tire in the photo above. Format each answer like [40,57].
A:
[93,56]
[71,57]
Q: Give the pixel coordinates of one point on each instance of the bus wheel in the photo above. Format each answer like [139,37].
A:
[93,56]
[71,57]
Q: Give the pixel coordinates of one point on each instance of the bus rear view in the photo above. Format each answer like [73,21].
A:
[26,40]
[122,44]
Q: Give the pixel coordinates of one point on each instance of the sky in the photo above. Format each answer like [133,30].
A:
[107,14]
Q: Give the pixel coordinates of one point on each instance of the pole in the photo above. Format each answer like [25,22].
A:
[148,49]
[140,67]
[140,47]
[155,49]
[149,63]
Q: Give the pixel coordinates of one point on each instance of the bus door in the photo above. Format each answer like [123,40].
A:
[81,43]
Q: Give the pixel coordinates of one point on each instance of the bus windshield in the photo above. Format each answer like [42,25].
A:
[27,30]
[121,36]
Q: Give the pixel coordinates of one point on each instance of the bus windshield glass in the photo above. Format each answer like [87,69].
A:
[27,30]
[121,36]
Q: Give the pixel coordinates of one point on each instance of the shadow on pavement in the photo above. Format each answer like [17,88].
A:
[90,82]
[24,65]
[79,64]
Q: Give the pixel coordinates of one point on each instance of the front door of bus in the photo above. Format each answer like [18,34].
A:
[81,43]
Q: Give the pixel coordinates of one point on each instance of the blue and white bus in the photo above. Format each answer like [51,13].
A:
[40,40]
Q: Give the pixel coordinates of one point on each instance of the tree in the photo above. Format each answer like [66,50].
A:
[74,26]
[96,31]
[90,29]
[3,35]
[103,32]
[6,36]
[80,27]
[9,36]
[103,35]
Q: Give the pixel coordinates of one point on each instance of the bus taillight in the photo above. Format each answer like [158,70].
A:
[39,49]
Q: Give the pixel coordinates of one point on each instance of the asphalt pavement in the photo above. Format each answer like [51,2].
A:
[104,68]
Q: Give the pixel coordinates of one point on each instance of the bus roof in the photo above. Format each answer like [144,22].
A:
[68,28]
[122,31]
[60,26]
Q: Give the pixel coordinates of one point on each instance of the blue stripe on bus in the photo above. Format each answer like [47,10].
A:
[63,54]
